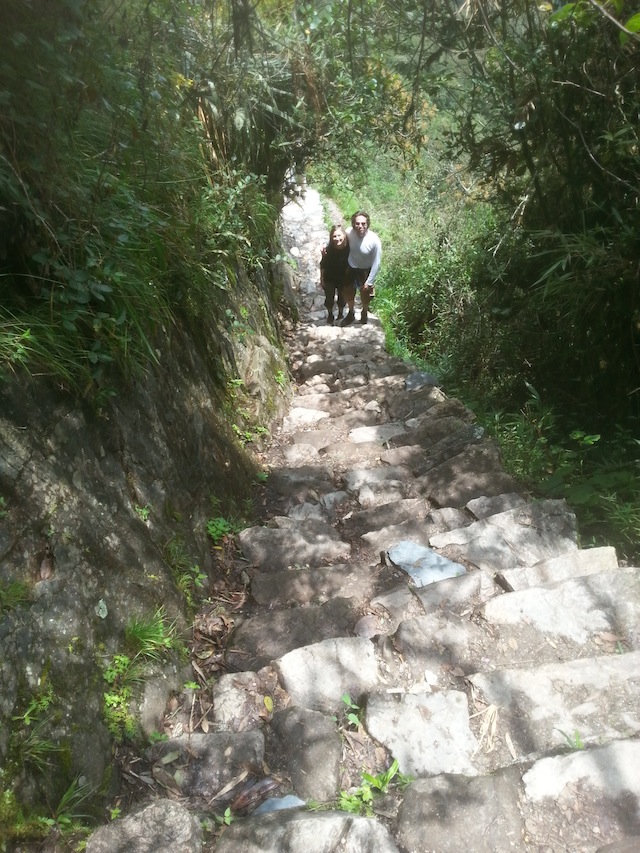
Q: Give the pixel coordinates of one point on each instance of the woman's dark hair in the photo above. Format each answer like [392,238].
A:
[360,213]
[335,228]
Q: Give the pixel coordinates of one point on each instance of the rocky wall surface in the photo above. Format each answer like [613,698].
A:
[91,497]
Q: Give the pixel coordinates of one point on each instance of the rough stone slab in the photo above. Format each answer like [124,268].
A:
[437,642]
[305,832]
[393,513]
[380,433]
[306,511]
[239,699]
[319,439]
[459,593]
[306,543]
[300,454]
[357,478]
[318,675]
[307,586]
[416,530]
[587,789]
[308,749]
[451,814]
[576,608]
[599,698]
[420,379]
[271,634]
[485,506]
[410,456]
[207,762]
[574,564]
[428,733]
[160,827]
[301,482]
[474,472]
[410,404]
[334,404]
[518,537]
[379,494]
[399,604]
[302,417]
[423,565]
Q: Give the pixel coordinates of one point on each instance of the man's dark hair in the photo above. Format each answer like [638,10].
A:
[360,213]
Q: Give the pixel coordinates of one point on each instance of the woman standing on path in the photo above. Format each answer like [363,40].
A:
[333,270]
[365,254]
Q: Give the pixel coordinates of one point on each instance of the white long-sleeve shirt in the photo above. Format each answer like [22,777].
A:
[365,252]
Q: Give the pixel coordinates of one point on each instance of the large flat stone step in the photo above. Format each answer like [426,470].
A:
[580,801]
[580,617]
[518,537]
[260,639]
[590,701]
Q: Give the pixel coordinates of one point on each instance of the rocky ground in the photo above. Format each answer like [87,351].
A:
[411,653]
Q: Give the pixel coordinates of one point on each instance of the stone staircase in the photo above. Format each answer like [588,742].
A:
[403,572]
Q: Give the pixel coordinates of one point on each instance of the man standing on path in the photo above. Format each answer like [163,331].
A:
[365,254]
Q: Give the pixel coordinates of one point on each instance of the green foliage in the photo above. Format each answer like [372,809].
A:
[219,528]
[187,574]
[353,711]
[149,639]
[574,742]
[69,817]
[12,595]
[143,512]
[361,800]
[32,746]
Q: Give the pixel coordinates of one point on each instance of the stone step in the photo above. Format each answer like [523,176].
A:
[271,634]
[579,801]
[512,716]
[290,542]
[578,617]
[572,564]
[518,537]
[317,676]
[590,701]
[297,831]
[312,586]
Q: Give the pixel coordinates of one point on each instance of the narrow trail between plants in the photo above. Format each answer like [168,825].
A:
[417,656]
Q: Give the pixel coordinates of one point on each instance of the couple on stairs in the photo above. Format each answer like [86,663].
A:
[350,262]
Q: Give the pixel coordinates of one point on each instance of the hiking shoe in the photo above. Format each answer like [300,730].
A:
[348,320]
[330,319]
[363,318]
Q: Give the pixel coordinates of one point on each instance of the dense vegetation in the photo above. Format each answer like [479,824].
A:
[144,144]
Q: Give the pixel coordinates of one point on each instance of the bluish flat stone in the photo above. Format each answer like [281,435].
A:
[423,564]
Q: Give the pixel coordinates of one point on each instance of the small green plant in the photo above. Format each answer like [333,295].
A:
[33,747]
[151,637]
[262,476]
[3,508]
[68,818]
[114,813]
[219,528]
[158,737]
[574,742]
[143,512]
[225,819]
[12,595]
[38,704]
[360,800]
[353,712]
[187,574]
[281,378]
